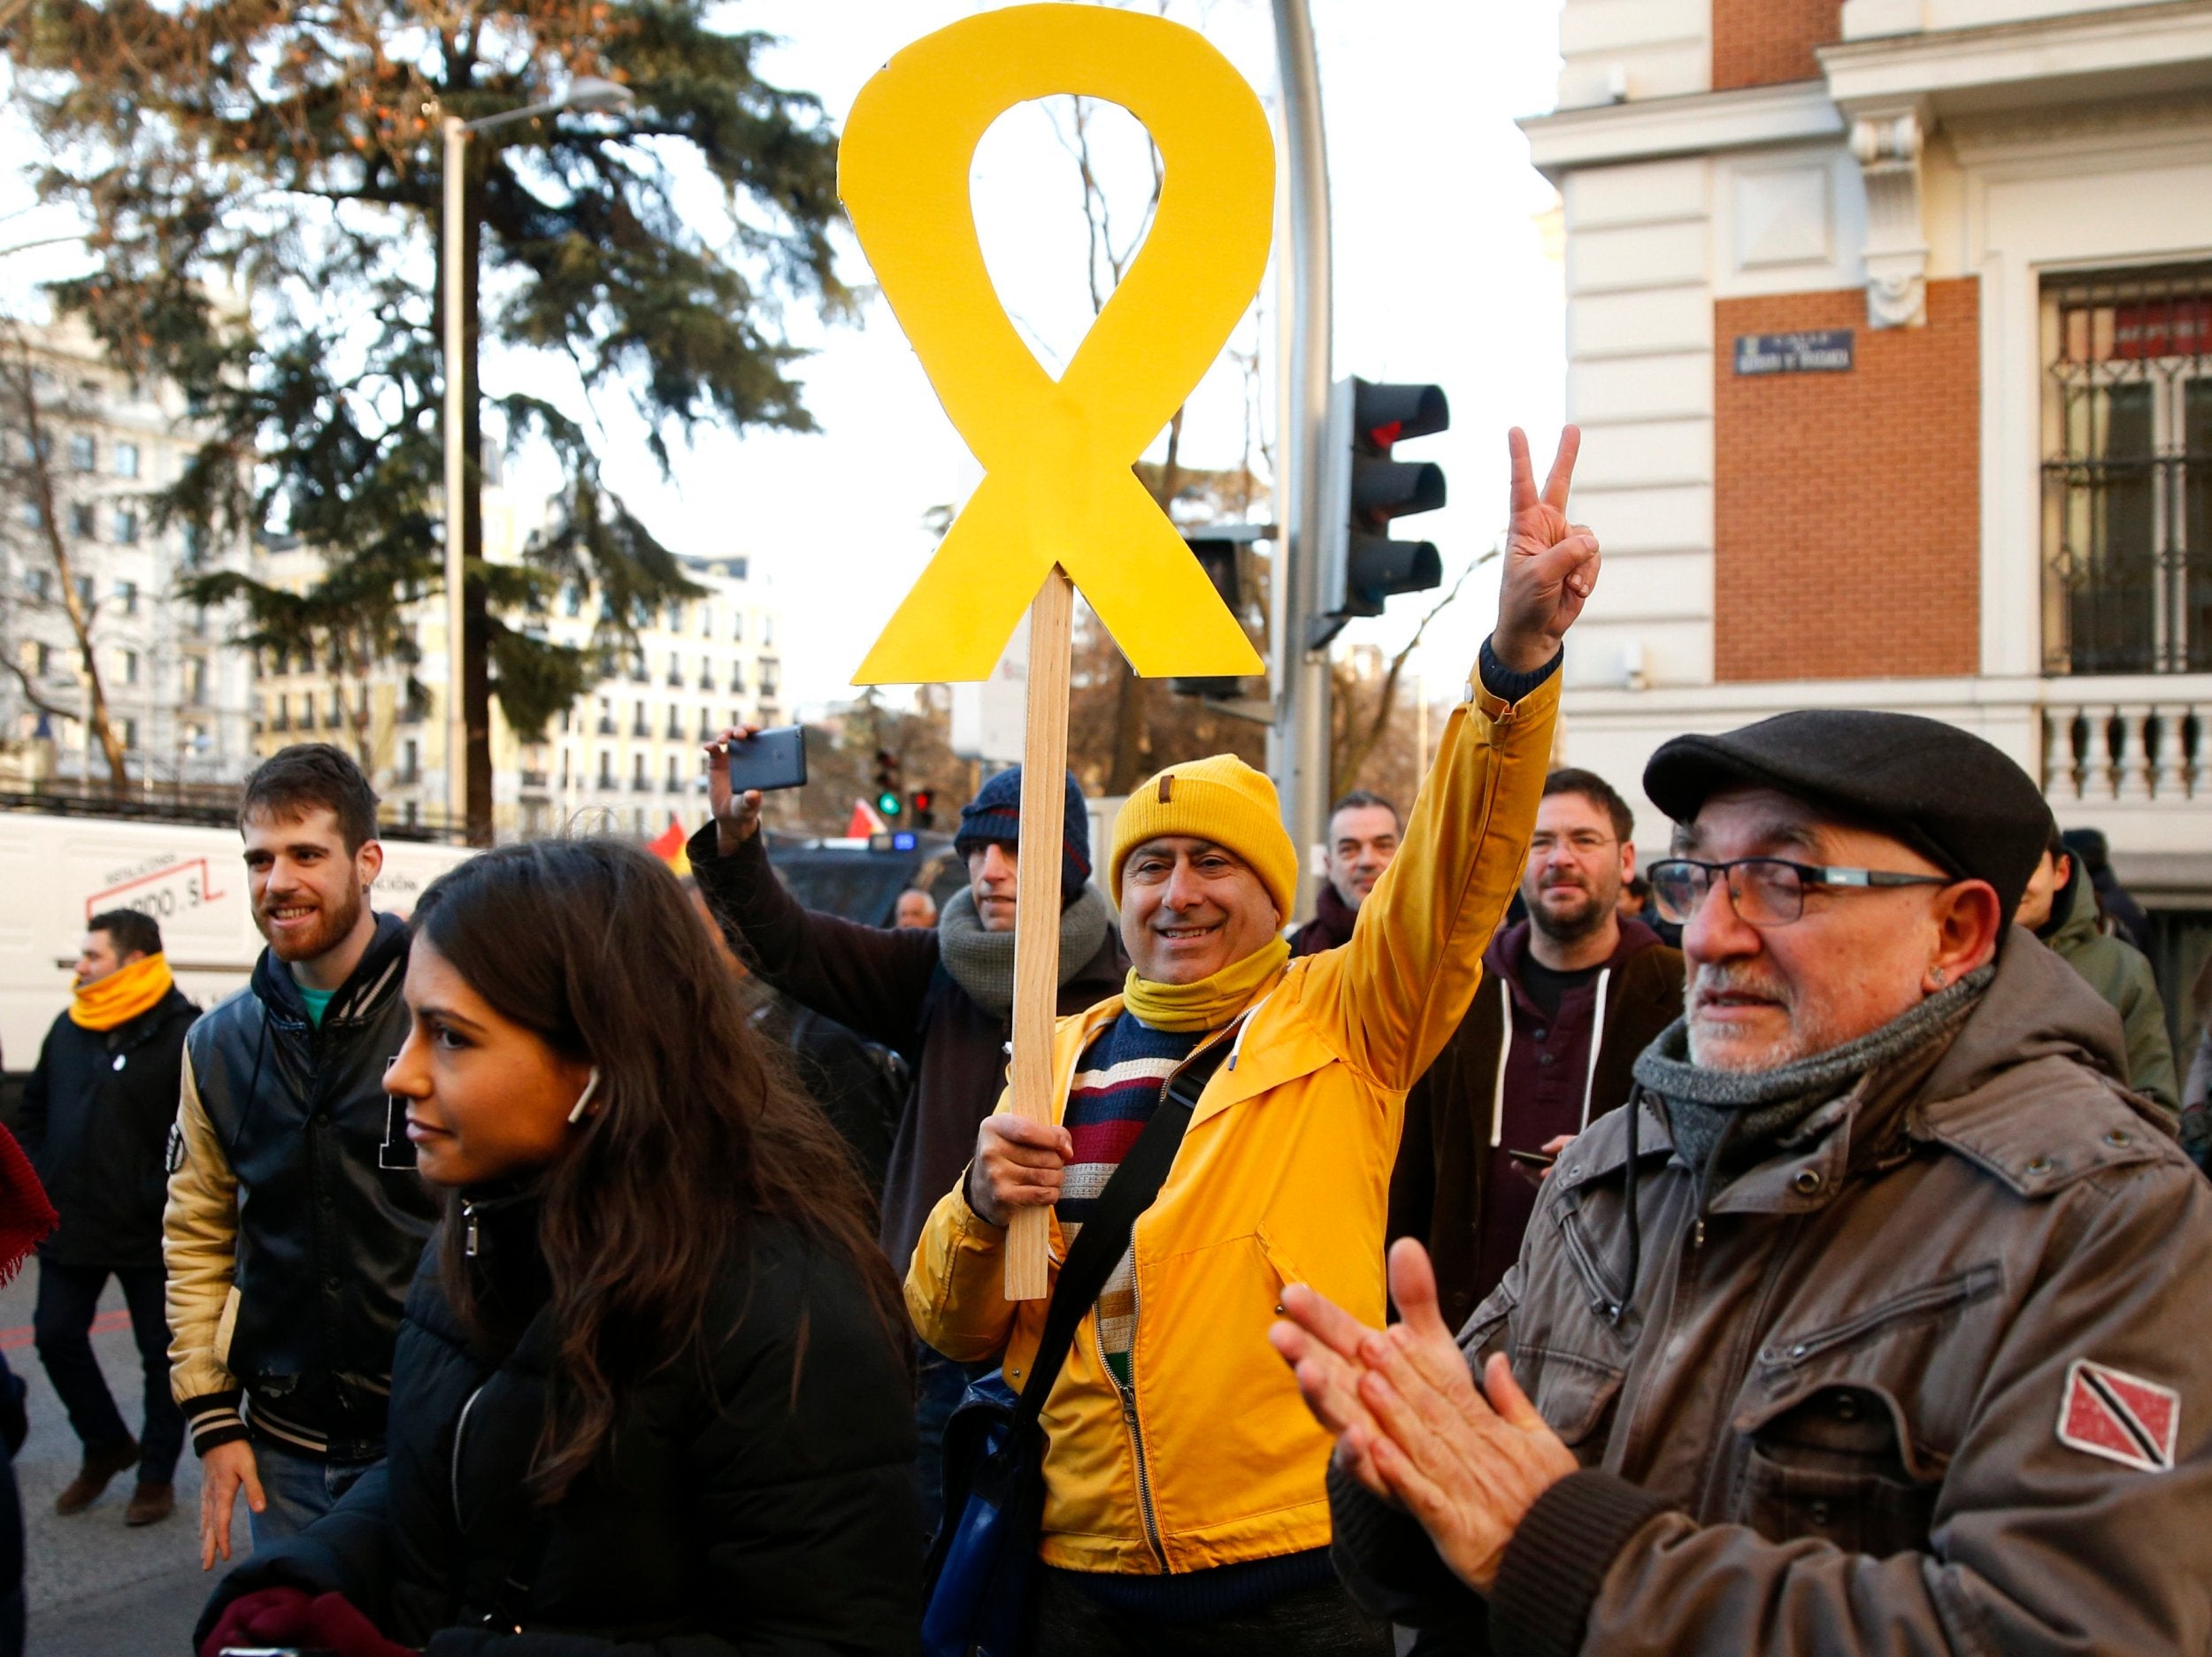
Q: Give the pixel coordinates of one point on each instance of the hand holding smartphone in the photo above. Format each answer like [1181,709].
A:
[774,758]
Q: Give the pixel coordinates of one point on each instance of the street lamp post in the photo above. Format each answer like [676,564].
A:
[586,92]
[1298,744]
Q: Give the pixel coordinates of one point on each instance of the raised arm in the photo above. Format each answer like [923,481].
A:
[869,979]
[1392,997]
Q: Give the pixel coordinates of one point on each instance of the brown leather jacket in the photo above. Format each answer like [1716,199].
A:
[1829,1418]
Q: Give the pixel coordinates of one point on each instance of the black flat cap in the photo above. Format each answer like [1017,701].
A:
[1950,795]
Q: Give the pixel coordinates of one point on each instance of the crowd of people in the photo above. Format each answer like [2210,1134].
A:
[1792,1245]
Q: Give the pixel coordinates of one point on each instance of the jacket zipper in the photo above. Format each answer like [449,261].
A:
[459,1428]
[1128,1394]
[1603,1299]
[1935,1297]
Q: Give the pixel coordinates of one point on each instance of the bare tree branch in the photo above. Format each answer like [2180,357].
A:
[1357,738]
[33,475]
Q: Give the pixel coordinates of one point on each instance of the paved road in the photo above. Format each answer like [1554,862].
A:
[93,1587]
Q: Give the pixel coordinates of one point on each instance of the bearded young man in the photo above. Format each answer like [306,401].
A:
[1184,1504]
[1568,998]
[296,1216]
[1873,1323]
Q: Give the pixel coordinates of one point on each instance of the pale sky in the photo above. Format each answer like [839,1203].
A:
[1440,275]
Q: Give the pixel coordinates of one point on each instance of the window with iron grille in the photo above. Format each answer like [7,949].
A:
[2127,472]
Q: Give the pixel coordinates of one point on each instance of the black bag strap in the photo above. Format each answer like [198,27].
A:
[1104,1239]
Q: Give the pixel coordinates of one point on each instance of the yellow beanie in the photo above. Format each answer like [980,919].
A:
[1222,799]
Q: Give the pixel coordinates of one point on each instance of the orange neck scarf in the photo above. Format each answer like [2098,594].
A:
[122,995]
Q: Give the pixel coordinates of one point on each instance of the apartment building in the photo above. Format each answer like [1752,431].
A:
[624,759]
[1890,332]
[179,702]
[629,753]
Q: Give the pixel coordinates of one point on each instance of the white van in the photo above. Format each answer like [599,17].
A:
[59,871]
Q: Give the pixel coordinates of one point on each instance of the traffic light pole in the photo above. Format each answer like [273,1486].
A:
[1298,742]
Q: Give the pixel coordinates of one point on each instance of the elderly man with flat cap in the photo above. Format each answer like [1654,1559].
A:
[1873,1323]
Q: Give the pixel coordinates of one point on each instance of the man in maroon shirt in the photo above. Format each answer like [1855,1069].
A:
[1468,1166]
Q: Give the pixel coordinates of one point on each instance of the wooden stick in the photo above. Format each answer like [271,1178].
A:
[1037,907]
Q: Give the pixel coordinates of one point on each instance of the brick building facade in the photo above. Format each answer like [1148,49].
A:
[1890,332]
[1765,43]
[1853,497]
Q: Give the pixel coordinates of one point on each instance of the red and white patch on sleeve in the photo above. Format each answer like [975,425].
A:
[2119,1417]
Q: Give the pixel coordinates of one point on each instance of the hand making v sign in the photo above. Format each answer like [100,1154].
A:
[1551,565]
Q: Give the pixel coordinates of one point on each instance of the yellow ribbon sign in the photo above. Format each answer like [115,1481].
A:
[1058,486]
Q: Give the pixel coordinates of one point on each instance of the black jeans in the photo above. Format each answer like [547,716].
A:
[1321,1621]
[68,1296]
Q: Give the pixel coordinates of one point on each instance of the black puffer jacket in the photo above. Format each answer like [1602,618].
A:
[293,1229]
[763,1502]
[95,1120]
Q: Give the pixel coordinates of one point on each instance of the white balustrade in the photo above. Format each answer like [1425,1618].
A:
[2137,747]
[2138,730]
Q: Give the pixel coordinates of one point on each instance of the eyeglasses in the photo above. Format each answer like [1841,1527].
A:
[1764,891]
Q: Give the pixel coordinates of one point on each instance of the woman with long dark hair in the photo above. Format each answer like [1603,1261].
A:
[649,1393]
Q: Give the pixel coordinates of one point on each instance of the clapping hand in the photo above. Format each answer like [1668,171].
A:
[1412,1426]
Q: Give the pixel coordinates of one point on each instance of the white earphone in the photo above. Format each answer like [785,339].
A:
[583,1099]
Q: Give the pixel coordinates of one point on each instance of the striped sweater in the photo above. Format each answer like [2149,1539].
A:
[1118,1082]
[1116,1088]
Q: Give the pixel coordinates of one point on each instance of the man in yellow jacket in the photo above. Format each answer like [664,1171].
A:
[1184,1506]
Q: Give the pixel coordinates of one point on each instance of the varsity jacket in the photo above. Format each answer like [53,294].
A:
[295,1216]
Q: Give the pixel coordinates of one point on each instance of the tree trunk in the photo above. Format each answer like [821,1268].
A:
[80,614]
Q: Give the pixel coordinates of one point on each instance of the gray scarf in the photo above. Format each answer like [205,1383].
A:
[1761,1106]
[982,963]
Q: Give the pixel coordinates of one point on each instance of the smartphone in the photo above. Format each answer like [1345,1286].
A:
[1534,1159]
[768,759]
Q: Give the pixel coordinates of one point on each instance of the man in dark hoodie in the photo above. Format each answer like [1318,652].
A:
[295,1218]
[943,999]
[2060,907]
[1568,998]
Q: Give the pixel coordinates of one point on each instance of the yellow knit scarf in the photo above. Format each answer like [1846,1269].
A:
[122,995]
[1210,1003]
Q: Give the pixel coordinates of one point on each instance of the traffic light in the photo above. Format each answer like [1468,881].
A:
[1363,489]
[1218,548]
[924,803]
[890,799]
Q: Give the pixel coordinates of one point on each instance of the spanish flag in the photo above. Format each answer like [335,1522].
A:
[669,847]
